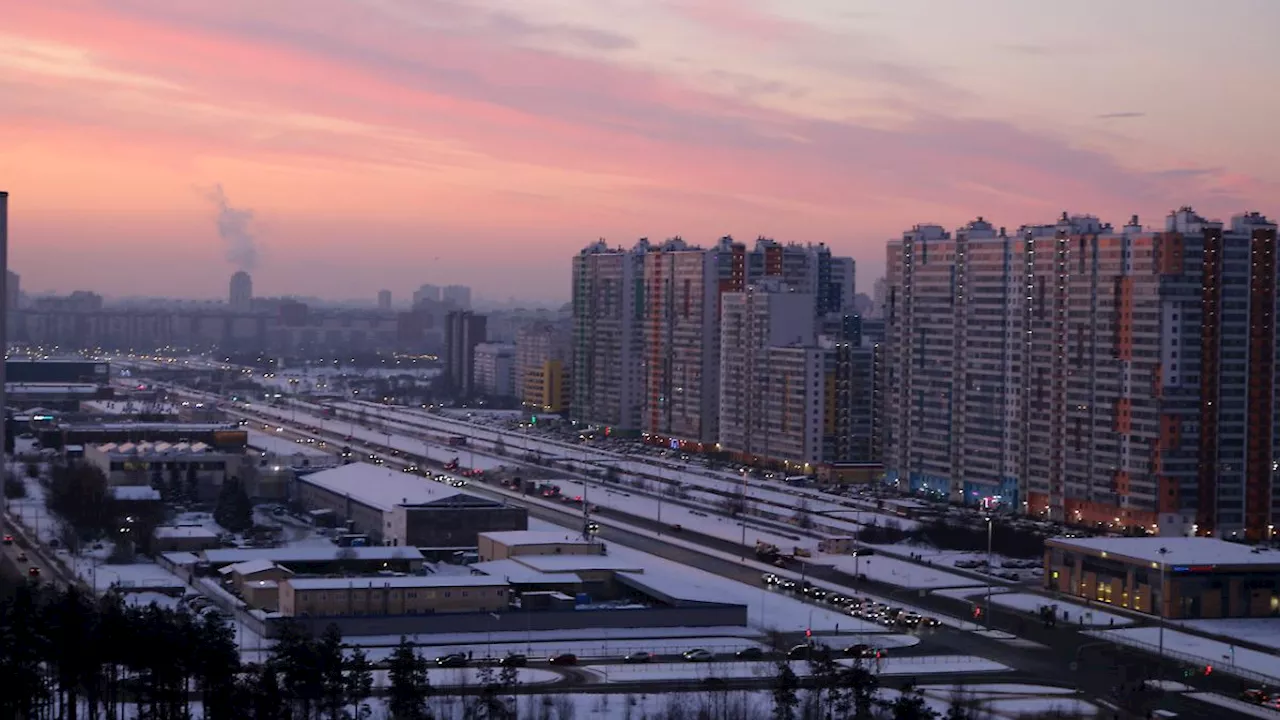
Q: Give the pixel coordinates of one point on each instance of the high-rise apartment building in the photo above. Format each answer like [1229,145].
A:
[766,385]
[463,331]
[426,294]
[384,299]
[1114,377]
[681,333]
[542,367]
[241,292]
[608,315]
[495,369]
[456,296]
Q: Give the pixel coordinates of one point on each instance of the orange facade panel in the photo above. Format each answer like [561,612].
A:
[1168,502]
[1123,416]
[1124,318]
[1170,432]
[1091,513]
[1168,253]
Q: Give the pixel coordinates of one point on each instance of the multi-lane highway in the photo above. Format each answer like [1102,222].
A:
[1048,655]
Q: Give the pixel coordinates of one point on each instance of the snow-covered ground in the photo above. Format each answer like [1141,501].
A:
[1068,612]
[1224,657]
[922,665]
[893,571]
[1238,708]
[971,592]
[1262,631]
[585,649]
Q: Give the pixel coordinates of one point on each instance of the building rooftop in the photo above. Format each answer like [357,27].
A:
[535,537]
[128,407]
[51,389]
[181,558]
[1181,550]
[520,574]
[185,531]
[134,493]
[143,427]
[379,487]
[248,567]
[284,556]
[577,563]
[400,581]
[154,448]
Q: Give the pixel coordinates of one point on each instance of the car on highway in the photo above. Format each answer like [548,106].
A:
[770,579]
[750,653]
[787,584]
[698,655]
[860,650]
[8,539]
[930,622]
[452,660]
[515,660]
[563,659]
[640,656]
[33,571]
[22,556]
[807,651]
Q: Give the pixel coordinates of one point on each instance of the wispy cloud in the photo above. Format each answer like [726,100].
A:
[1120,115]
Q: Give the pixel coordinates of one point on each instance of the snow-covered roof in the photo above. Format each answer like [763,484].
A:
[181,558]
[136,493]
[404,581]
[534,537]
[186,531]
[286,555]
[516,572]
[379,487]
[1180,550]
[249,567]
[577,563]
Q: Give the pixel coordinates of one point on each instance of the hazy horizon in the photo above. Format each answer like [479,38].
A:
[338,147]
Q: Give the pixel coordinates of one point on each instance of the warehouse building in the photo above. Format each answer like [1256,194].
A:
[369,596]
[1197,577]
[321,560]
[396,508]
[504,545]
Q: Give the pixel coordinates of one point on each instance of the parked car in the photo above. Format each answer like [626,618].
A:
[640,656]
[8,539]
[452,660]
[699,655]
[563,659]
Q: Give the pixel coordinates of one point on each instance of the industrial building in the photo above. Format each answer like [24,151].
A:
[321,560]
[1096,375]
[395,508]
[1180,578]
[504,545]
[223,437]
[57,372]
[195,467]
[416,595]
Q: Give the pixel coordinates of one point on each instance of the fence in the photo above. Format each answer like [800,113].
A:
[708,616]
[1219,664]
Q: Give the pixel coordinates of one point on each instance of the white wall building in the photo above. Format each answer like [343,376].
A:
[495,369]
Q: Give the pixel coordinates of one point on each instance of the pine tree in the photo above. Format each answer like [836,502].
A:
[409,686]
[234,510]
[359,683]
[785,698]
[910,705]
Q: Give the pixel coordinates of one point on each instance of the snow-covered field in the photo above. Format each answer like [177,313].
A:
[1068,612]
[1262,631]
[923,665]
[893,571]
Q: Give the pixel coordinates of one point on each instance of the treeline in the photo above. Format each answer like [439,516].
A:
[66,655]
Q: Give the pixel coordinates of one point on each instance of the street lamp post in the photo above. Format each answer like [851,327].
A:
[1160,609]
[742,515]
[990,528]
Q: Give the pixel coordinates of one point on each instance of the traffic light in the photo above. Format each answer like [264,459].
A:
[808,633]
[533,420]
[977,612]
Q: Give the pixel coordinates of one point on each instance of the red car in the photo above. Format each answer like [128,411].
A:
[563,659]
[8,539]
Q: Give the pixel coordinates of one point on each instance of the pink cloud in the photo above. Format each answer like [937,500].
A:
[477,134]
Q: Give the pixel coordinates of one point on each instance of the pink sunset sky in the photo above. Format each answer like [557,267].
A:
[388,143]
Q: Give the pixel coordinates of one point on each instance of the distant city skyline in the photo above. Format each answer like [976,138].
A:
[341,148]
